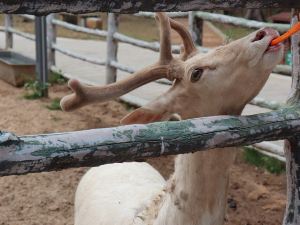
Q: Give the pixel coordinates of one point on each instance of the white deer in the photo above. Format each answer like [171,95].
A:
[220,82]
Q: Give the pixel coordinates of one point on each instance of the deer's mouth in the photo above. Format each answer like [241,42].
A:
[270,34]
[274,48]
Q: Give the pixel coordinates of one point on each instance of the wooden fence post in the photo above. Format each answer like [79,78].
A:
[51,39]
[292,146]
[41,53]
[196,28]
[8,34]
[112,48]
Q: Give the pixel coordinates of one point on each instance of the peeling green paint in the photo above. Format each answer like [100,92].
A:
[122,134]
[225,122]
[135,142]
[173,129]
[34,142]
[47,151]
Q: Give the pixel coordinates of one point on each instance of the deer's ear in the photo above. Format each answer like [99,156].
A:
[159,109]
[143,116]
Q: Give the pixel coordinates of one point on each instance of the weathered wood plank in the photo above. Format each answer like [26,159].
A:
[131,6]
[19,155]
[292,145]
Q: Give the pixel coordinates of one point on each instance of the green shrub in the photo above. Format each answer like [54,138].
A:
[256,158]
[54,105]
[57,78]
[34,89]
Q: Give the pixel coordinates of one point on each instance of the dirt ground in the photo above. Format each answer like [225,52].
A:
[255,196]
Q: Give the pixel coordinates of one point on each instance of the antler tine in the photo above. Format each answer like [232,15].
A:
[165,38]
[188,43]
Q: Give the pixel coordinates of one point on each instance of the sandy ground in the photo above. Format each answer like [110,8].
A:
[255,196]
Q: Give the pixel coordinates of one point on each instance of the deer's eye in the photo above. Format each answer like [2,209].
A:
[196,75]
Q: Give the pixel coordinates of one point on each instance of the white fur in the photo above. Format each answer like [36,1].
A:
[116,193]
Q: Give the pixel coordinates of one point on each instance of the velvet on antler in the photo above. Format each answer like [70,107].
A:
[167,67]
[189,47]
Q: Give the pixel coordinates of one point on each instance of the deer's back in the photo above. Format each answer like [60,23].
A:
[116,193]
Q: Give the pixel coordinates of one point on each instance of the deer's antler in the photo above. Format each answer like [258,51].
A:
[189,47]
[165,38]
[166,67]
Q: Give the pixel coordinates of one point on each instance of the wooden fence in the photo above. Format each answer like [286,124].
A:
[94,147]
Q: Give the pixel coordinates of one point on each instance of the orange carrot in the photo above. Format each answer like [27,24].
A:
[286,35]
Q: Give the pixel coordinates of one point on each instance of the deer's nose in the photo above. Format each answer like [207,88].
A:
[267,31]
[260,35]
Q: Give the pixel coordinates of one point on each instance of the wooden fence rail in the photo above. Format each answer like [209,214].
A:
[19,155]
[214,17]
[43,7]
[69,26]
[270,149]
[220,18]
[79,56]
[21,34]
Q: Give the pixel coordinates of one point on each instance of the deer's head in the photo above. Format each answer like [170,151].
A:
[221,81]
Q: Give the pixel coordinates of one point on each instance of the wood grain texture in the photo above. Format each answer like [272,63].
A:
[130,6]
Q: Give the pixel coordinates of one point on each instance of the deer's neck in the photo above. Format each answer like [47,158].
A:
[197,191]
